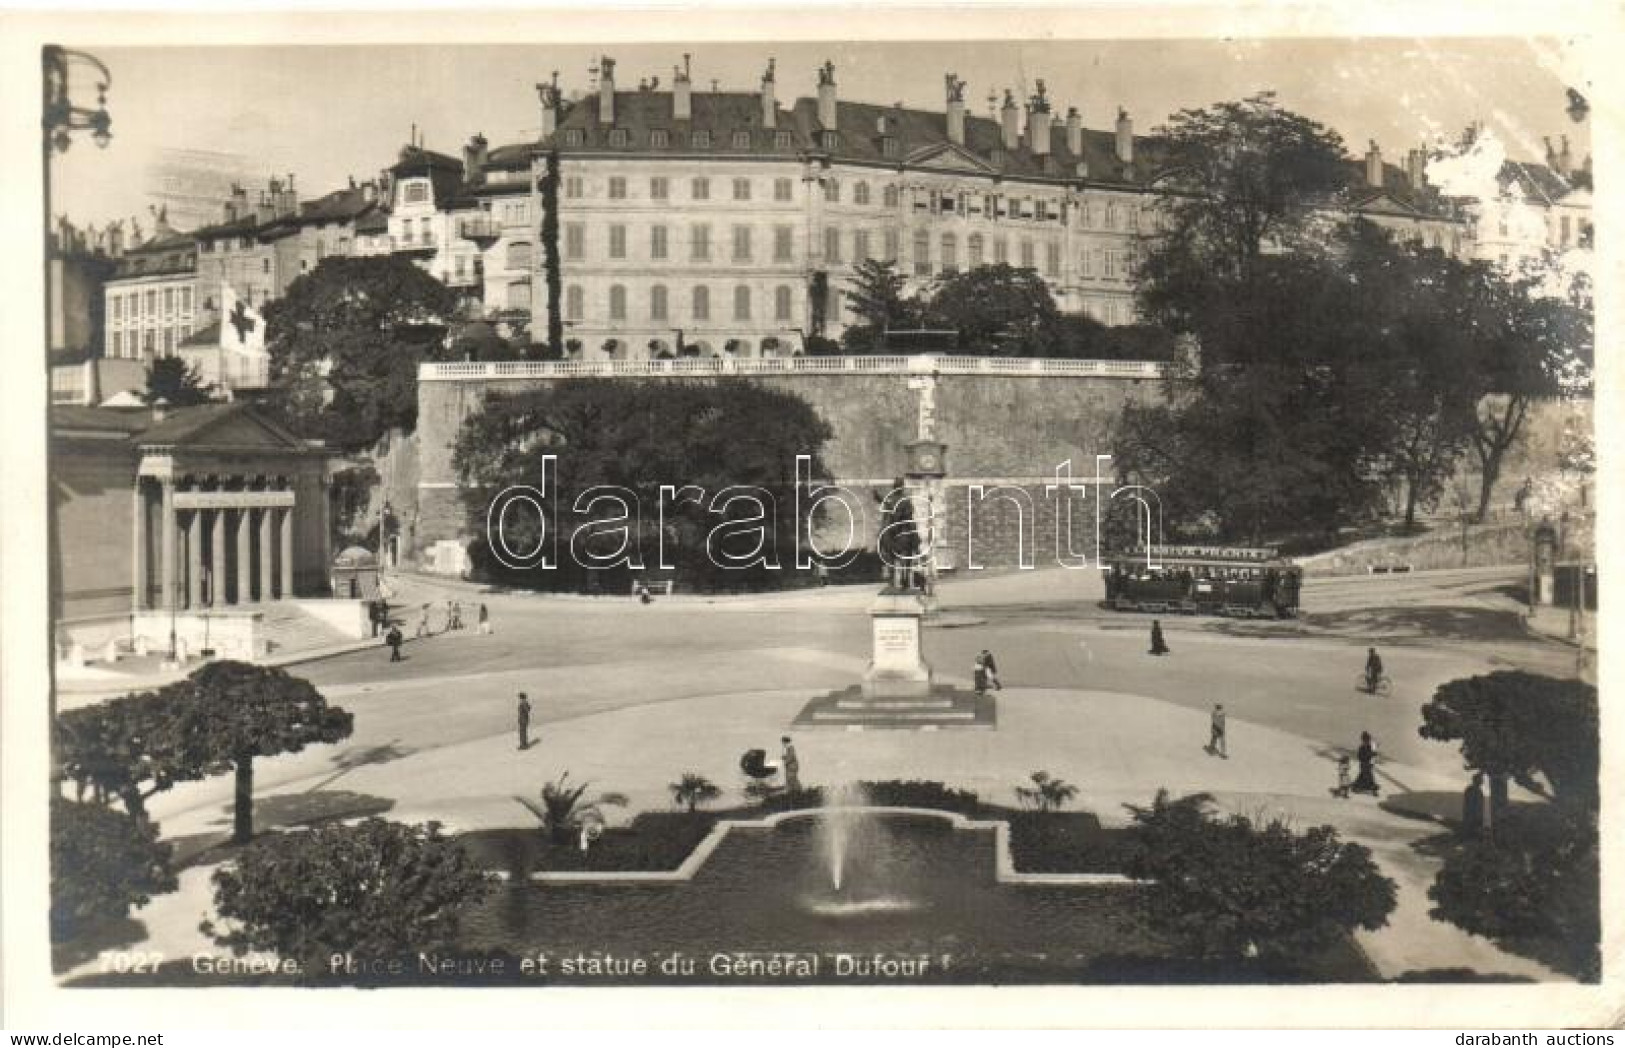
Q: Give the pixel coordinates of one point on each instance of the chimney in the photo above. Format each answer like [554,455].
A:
[1416,168]
[682,105]
[1551,154]
[1038,122]
[474,158]
[1125,136]
[1565,159]
[369,191]
[1011,116]
[606,90]
[770,105]
[1074,132]
[956,109]
[1373,166]
[265,210]
[826,96]
[548,95]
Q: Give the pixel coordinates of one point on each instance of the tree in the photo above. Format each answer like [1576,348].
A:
[1516,725]
[549,187]
[376,889]
[641,437]
[241,711]
[176,382]
[1046,793]
[103,862]
[130,747]
[693,790]
[998,311]
[565,808]
[1230,889]
[346,340]
[1243,176]
[876,299]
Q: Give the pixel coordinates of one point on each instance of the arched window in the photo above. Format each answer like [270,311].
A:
[922,253]
[657,302]
[782,299]
[575,302]
[702,303]
[519,255]
[741,302]
[860,193]
[973,251]
[617,302]
[889,197]
[950,253]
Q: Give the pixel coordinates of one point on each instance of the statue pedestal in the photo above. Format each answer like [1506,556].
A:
[896,670]
[897,690]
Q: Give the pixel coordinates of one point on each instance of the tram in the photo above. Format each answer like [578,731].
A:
[1242,582]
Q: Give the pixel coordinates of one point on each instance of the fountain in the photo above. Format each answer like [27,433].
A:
[838,824]
[851,849]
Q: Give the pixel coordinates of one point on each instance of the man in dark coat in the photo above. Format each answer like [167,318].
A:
[1158,646]
[393,639]
[523,714]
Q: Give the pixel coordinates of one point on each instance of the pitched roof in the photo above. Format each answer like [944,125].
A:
[163,256]
[140,428]
[342,205]
[509,157]
[205,336]
[1537,180]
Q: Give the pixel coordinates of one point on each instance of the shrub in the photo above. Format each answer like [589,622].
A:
[376,889]
[1228,888]
[693,790]
[103,862]
[564,808]
[1046,793]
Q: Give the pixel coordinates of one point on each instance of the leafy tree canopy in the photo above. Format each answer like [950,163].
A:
[176,382]
[639,437]
[102,863]
[1230,888]
[376,889]
[347,339]
[1522,725]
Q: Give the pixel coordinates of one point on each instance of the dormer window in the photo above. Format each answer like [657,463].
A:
[741,139]
[659,138]
[415,191]
[829,140]
[620,136]
[784,140]
[997,157]
[888,146]
[574,137]
[702,140]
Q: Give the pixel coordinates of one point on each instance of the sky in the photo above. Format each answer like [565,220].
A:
[326,113]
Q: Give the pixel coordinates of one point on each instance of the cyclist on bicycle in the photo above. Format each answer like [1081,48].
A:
[1373,670]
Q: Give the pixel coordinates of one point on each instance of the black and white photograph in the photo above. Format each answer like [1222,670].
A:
[810,505]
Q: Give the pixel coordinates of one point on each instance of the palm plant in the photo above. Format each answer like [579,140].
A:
[564,809]
[1046,793]
[693,790]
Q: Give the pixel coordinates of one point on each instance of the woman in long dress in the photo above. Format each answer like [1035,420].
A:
[1366,781]
[1158,646]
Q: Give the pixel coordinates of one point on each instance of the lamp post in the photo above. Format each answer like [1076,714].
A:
[60,118]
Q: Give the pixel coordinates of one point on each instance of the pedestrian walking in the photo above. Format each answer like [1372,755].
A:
[485,620]
[523,714]
[373,616]
[1366,781]
[792,766]
[393,639]
[1158,646]
[992,667]
[979,674]
[1216,741]
[423,622]
[1342,789]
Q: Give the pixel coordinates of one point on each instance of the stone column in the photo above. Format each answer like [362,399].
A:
[194,559]
[138,595]
[217,560]
[267,575]
[169,536]
[287,552]
[245,556]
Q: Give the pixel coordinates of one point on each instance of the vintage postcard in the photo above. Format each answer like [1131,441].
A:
[856,510]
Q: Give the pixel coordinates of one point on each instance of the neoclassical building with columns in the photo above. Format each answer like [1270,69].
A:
[182,528]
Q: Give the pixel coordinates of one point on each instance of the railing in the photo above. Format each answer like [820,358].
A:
[478,229]
[463,371]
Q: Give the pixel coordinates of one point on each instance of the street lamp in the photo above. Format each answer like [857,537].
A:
[61,116]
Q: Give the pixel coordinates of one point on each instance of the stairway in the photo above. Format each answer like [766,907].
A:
[288,629]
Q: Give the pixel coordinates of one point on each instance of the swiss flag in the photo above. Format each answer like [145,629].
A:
[242,329]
